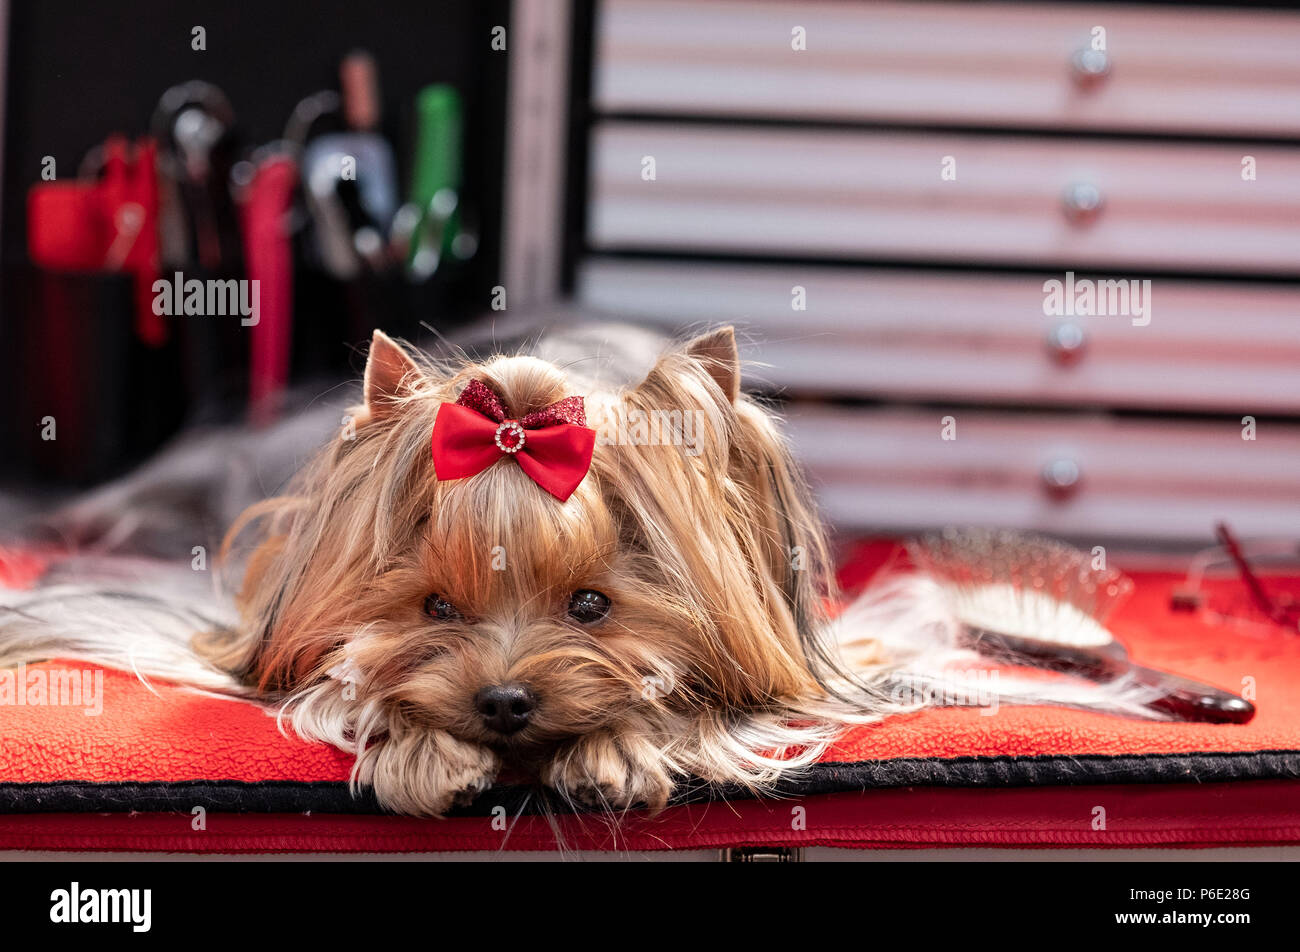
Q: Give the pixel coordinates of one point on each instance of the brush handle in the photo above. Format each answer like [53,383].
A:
[1190,700]
[1181,697]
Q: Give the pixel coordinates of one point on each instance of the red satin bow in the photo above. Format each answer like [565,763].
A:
[553,446]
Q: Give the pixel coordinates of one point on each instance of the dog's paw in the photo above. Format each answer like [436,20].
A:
[425,773]
[610,771]
[461,771]
[475,781]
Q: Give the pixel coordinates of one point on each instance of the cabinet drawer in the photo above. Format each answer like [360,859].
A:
[1189,70]
[865,332]
[1152,481]
[1014,200]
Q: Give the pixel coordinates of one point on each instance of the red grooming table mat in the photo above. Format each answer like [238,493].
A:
[129,777]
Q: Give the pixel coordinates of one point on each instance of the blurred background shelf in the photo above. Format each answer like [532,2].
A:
[1195,70]
[880,210]
[945,334]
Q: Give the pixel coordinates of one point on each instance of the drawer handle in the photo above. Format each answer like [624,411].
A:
[1066,343]
[1091,67]
[1082,203]
[1061,478]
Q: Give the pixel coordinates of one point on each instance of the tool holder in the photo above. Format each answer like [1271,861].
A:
[84,345]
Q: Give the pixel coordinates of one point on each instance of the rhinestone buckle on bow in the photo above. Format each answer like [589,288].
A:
[514,427]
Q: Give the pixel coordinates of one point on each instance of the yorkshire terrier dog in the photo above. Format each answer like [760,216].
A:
[610,587]
[509,567]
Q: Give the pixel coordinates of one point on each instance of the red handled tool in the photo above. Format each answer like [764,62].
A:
[110,224]
[268,254]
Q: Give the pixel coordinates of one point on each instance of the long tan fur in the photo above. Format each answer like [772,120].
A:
[708,664]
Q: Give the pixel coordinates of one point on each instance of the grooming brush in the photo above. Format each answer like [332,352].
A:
[1030,601]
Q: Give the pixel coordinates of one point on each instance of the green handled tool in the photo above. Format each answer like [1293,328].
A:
[434,214]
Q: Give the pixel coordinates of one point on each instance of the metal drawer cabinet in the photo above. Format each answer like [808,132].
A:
[1014,200]
[1081,476]
[1222,347]
[1161,69]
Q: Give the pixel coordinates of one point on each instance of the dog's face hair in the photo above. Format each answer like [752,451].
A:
[659,623]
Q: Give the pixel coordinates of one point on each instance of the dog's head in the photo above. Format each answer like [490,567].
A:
[679,583]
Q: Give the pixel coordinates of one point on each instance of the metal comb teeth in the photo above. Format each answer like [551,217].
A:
[977,557]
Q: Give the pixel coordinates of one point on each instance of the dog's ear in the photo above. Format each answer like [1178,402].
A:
[716,350]
[781,516]
[390,373]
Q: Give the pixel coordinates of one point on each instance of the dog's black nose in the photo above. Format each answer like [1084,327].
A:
[506,708]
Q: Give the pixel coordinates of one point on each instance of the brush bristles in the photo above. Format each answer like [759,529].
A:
[1025,613]
[1025,580]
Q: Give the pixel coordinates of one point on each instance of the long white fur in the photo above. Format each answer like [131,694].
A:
[135,615]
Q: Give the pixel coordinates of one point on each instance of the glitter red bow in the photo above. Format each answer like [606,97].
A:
[552,446]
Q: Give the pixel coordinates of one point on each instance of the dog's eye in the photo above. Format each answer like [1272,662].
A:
[588,607]
[435,606]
